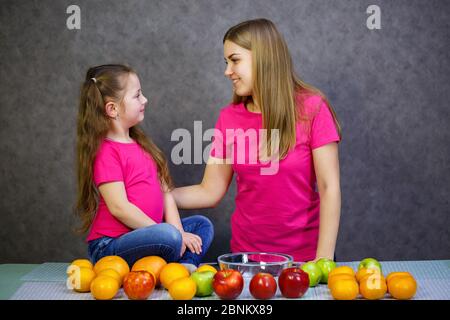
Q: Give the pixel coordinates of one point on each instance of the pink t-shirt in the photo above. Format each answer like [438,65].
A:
[127,162]
[275,212]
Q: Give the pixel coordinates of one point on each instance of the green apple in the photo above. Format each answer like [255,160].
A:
[369,263]
[325,265]
[313,271]
[203,280]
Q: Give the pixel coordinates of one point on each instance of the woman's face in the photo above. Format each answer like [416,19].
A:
[239,68]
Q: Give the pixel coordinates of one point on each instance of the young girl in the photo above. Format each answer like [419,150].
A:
[123,178]
[280,212]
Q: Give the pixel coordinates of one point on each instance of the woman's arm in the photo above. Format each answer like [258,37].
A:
[326,165]
[210,191]
[117,202]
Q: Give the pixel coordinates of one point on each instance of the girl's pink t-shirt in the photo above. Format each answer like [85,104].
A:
[129,163]
[275,212]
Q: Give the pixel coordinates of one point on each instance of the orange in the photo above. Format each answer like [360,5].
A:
[392,275]
[373,277]
[182,289]
[366,271]
[340,270]
[338,277]
[153,264]
[402,287]
[373,286]
[111,273]
[395,274]
[345,289]
[82,263]
[80,278]
[172,271]
[104,287]
[206,267]
[112,262]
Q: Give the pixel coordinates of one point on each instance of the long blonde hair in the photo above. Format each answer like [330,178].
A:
[276,87]
[103,84]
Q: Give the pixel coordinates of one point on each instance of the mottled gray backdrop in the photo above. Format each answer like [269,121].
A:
[389,87]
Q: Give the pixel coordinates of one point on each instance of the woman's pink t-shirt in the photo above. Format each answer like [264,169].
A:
[129,163]
[277,212]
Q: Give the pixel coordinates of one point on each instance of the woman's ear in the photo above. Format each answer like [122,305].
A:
[111,110]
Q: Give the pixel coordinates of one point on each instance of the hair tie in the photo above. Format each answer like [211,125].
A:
[93,79]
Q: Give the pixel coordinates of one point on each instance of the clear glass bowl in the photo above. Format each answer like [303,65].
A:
[251,263]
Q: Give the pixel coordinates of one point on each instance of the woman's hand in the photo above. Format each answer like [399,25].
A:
[191,241]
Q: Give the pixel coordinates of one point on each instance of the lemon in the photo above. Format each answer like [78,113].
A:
[206,267]
[111,273]
[104,287]
[172,271]
[80,278]
[82,263]
[183,289]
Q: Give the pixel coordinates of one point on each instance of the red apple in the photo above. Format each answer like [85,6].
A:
[263,286]
[293,282]
[138,285]
[228,284]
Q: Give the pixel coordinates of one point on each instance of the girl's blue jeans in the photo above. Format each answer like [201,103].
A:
[161,239]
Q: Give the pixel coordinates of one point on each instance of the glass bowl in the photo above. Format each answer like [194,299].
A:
[251,263]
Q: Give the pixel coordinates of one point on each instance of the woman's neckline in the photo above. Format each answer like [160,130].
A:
[248,111]
[115,141]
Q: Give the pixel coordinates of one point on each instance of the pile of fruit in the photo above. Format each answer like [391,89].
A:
[368,282]
[228,284]
[109,274]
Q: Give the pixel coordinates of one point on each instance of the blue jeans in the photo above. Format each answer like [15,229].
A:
[161,239]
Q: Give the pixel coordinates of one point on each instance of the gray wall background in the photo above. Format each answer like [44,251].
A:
[389,87]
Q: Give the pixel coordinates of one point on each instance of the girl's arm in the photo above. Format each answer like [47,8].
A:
[210,191]
[326,165]
[117,202]
[172,216]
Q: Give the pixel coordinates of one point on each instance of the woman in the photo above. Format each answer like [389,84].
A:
[279,211]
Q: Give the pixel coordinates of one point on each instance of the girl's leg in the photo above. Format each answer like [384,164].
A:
[162,240]
[202,227]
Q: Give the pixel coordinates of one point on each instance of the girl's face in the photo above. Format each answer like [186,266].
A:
[239,68]
[134,102]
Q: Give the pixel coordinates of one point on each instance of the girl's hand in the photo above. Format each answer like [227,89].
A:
[183,249]
[192,241]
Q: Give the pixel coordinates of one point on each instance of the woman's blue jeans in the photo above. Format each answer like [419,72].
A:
[161,239]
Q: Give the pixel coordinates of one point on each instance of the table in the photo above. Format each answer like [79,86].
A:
[47,281]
